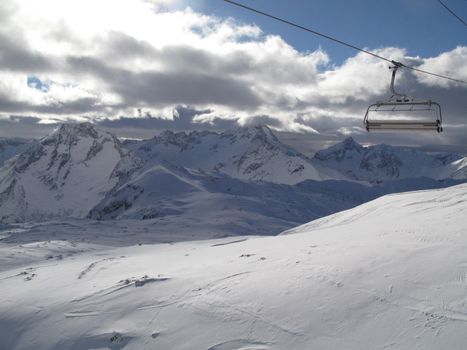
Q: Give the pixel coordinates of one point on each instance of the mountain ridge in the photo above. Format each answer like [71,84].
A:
[378,163]
[249,153]
[80,171]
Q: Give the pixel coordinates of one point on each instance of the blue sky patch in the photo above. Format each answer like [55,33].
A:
[35,83]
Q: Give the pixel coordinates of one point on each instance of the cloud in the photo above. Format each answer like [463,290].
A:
[23,126]
[182,118]
[105,65]
[451,64]
[15,55]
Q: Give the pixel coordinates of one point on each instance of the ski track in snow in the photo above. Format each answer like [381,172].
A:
[240,344]
[231,242]
[92,266]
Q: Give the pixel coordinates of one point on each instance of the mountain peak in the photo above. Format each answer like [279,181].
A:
[67,131]
[68,143]
[253,133]
[258,129]
[340,150]
[71,170]
[69,134]
[350,143]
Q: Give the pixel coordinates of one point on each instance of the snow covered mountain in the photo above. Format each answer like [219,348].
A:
[10,147]
[389,274]
[384,162]
[239,181]
[247,153]
[182,195]
[64,174]
[79,171]
[182,180]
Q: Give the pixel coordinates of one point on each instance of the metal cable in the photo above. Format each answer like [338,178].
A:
[452,13]
[341,42]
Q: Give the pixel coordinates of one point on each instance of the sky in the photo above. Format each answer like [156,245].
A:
[136,67]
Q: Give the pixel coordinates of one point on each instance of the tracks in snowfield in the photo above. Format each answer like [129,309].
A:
[240,344]
[94,264]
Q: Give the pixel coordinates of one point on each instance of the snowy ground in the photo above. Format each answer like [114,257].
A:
[389,274]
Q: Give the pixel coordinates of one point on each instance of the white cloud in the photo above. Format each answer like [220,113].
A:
[109,58]
[451,64]
[359,77]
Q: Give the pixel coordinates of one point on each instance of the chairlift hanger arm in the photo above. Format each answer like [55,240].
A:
[394,69]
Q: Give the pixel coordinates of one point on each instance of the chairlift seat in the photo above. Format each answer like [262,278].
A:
[404,124]
[374,125]
[396,105]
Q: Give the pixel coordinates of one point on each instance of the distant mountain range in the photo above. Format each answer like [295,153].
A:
[383,162]
[243,179]
[249,153]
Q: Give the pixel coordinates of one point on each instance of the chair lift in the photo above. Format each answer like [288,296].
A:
[400,104]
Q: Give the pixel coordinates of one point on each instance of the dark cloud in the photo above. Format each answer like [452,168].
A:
[264,120]
[91,105]
[24,127]
[89,65]
[8,105]
[238,63]
[157,88]
[154,88]
[15,55]
[118,44]
[188,59]
[146,125]
[79,106]
[24,119]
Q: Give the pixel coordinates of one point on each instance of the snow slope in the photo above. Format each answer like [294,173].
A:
[177,197]
[64,174]
[163,191]
[389,274]
[382,162]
